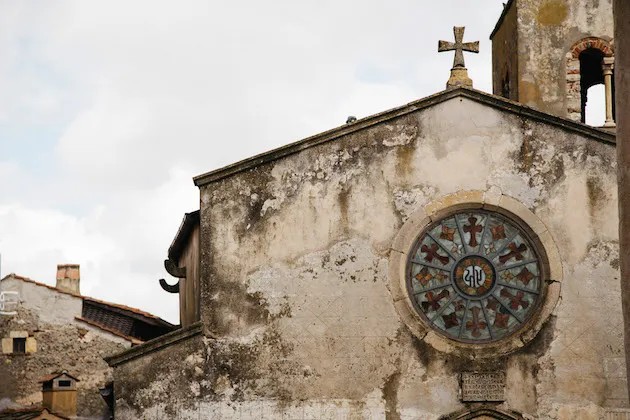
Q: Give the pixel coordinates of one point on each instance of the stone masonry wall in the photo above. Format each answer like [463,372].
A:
[61,343]
[298,315]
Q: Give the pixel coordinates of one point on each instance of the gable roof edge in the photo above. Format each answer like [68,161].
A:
[506,9]
[370,121]
[188,224]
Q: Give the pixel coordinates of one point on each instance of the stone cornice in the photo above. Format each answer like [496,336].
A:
[156,344]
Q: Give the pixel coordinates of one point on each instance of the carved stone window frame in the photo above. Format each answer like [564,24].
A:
[491,201]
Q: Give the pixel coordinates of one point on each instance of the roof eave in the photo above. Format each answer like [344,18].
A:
[132,340]
[188,224]
[135,313]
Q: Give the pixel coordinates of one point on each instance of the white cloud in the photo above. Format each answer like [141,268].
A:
[132,99]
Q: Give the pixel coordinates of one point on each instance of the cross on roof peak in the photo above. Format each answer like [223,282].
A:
[459,46]
[459,74]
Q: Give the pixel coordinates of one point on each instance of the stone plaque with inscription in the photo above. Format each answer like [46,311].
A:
[482,386]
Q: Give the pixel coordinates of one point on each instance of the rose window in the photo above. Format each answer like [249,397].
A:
[475,276]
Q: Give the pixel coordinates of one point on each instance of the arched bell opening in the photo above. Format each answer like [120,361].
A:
[591,74]
[590,83]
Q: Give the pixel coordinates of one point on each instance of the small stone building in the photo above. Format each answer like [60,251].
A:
[454,258]
[45,329]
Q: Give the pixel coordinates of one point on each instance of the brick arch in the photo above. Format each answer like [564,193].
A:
[592,42]
[573,86]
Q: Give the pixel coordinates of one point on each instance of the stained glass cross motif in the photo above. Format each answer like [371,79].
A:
[501,320]
[525,276]
[516,300]
[476,325]
[432,253]
[515,252]
[473,228]
[433,300]
[498,232]
[424,277]
[459,47]
[450,320]
[492,304]
[447,233]
[479,293]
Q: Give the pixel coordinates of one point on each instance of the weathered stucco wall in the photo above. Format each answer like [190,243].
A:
[62,343]
[547,30]
[160,375]
[295,295]
[53,307]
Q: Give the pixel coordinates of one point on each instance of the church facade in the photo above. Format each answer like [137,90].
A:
[454,258]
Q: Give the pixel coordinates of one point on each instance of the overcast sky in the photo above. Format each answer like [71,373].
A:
[108,109]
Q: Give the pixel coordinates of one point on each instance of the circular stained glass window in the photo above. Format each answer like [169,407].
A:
[475,276]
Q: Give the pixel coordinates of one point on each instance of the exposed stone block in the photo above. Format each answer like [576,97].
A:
[469,198]
[491,198]
[7,345]
[18,334]
[31,345]
[575,116]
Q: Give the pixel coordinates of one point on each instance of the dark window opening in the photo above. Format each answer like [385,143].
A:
[591,74]
[19,345]
[64,383]
[505,86]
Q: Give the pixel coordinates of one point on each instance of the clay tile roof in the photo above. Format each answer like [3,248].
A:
[109,330]
[126,308]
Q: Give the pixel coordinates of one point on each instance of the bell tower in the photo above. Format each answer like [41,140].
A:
[547,54]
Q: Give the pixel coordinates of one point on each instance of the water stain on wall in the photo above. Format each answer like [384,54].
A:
[552,12]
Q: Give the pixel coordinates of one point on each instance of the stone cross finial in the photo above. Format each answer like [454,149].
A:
[459,73]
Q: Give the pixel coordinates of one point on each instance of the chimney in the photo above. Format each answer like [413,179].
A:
[68,278]
[59,393]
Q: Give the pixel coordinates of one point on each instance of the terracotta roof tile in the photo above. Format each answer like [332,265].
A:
[115,305]
[109,330]
[126,308]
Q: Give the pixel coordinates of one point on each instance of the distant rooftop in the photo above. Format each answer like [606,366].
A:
[124,321]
